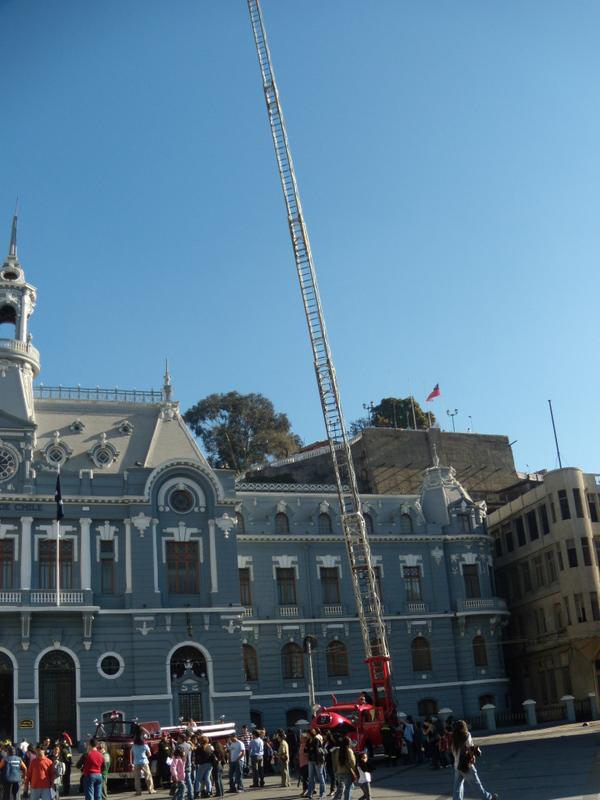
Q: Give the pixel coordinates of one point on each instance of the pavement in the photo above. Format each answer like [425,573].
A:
[549,763]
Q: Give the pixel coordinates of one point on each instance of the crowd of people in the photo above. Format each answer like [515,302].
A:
[189,766]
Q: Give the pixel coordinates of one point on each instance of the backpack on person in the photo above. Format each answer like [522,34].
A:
[12,770]
[467,757]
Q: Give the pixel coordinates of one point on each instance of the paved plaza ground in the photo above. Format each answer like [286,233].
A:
[557,763]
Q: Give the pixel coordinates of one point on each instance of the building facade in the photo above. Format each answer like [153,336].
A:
[547,551]
[179,594]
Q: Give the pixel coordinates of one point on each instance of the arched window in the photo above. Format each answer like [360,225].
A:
[324,523]
[369,524]
[292,661]
[282,523]
[406,523]
[256,719]
[250,660]
[293,715]
[421,655]
[479,652]
[240,522]
[427,707]
[337,659]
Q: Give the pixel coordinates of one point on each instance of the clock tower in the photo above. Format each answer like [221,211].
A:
[19,360]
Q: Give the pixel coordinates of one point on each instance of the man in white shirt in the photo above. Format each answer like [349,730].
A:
[236,751]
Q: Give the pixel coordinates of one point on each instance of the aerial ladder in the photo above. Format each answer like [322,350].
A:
[368,602]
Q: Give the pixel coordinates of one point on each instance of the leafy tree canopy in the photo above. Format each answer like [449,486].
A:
[241,430]
[393,412]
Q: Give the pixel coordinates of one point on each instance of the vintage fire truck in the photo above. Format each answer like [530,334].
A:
[119,733]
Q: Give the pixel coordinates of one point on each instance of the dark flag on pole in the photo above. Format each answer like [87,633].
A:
[59,501]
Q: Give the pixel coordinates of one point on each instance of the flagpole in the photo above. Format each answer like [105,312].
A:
[58,551]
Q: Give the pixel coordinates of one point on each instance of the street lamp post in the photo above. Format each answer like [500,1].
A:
[452,414]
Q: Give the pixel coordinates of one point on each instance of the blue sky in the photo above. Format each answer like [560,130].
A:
[448,160]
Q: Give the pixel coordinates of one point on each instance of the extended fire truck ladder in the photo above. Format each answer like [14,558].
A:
[364,581]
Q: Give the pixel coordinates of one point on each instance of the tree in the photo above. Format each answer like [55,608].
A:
[241,430]
[393,412]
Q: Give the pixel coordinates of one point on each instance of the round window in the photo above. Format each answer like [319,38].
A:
[181,501]
[56,455]
[8,463]
[110,665]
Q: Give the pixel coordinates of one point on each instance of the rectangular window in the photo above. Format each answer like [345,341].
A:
[571,553]
[594,605]
[563,500]
[558,617]
[551,566]
[526,575]
[593,507]
[245,587]
[567,609]
[498,546]
[515,583]
[566,680]
[471,578]
[585,549]
[538,567]
[532,525]
[7,557]
[492,579]
[544,519]
[412,583]
[182,567]
[578,503]
[552,511]
[561,564]
[580,608]
[107,567]
[597,548]
[464,523]
[286,586]
[520,529]
[377,571]
[47,564]
[540,621]
[508,538]
[330,585]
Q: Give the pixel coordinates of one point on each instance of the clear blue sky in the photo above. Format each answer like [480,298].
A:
[449,162]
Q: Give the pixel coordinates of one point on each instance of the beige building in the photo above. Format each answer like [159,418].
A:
[547,552]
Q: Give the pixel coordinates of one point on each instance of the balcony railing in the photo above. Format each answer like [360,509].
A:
[21,348]
[415,607]
[10,598]
[42,392]
[248,612]
[481,604]
[49,598]
[333,610]
[288,611]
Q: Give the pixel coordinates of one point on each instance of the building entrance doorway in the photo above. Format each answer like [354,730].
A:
[189,685]
[58,705]
[6,697]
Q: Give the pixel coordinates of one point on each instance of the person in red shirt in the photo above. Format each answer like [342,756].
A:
[92,772]
[39,776]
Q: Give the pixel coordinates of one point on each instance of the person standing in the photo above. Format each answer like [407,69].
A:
[58,771]
[141,764]
[256,751]
[465,753]
[203,760]
[38,781]
[218,764]
[164,754]
[316,762]
[13,769]
[283,755]
[364,768]
[246,738]
[177,768]
[236,751]
[344,765]
[93,763]
[105,769]
[66,756]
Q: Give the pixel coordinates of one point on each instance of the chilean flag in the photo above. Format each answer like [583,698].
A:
[435,392]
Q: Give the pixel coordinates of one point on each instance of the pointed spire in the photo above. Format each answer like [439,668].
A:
[436,458]
[167,388]
[12,249]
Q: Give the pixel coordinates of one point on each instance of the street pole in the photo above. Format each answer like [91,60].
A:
[452,414]
[312,700]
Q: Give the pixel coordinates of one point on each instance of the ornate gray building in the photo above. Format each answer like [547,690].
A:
[181,593]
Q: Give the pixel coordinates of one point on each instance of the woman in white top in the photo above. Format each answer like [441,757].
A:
[464,763]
